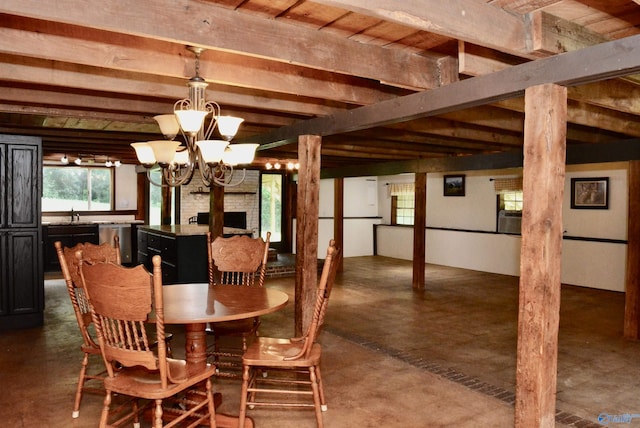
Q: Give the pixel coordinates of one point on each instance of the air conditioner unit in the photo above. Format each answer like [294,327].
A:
[509,221]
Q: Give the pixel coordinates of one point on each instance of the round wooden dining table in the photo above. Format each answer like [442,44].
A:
[196,304]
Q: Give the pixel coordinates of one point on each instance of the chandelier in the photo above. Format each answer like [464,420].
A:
[215,159]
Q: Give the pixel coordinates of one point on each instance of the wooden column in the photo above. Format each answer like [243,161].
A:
[632,286]
[307,229]
[338,215]
[142,196]
[216,211]
[290,193]
[419,227]
[165,209]
[539,305]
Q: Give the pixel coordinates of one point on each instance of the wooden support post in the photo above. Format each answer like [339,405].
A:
[419,228]
[165,208]
[539,305]
[142,185]
[216,211]
[632,286]
[307,229]
[338,214]
[289,207]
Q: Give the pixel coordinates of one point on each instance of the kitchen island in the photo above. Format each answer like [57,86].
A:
[182,247]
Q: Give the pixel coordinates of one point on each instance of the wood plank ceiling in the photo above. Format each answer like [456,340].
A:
[88,75]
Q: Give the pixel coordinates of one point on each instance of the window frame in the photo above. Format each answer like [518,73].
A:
[112,186]
[396,206]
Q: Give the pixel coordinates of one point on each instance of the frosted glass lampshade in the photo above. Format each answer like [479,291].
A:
[144,152]
[237,154]
[228,126]
[164,151]
[212,150]
[181,157]
[191,120]
[168,124]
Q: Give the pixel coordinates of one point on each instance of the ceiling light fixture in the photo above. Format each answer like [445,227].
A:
[64,159]
[78,161]
[215,159]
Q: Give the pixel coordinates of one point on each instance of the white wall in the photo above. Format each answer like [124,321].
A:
[360,212]
[126,187]
[584,263]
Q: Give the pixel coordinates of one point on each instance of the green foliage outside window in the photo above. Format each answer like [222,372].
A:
[80,189]
[271,211]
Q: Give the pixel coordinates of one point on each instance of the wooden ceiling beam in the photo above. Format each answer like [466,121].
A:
[572,68]
[588,115]
[30,71]
[162,59]
[468,20]
[217,28]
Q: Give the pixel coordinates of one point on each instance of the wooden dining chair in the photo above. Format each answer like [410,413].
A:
[271,365]
[69,267]
[237,260]
[122,300]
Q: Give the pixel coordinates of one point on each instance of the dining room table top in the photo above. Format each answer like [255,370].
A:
[193,303]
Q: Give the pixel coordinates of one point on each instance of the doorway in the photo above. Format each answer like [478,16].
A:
[271,208]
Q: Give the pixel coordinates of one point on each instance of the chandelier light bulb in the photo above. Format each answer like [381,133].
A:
[78,161]
[117,164]
[108,163]
[277,165]
[269,165]
[289,165]
[64,159]
[228,126]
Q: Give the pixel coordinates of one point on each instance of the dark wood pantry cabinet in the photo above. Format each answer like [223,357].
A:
[21,273]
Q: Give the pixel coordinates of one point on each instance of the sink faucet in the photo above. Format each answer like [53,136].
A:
[75,216]
[72,215]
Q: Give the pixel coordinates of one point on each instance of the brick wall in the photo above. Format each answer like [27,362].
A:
[243,197]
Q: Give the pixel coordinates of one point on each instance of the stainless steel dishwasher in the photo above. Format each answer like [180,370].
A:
[109,230]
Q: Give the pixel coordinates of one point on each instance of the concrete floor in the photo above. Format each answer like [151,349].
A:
[392,357]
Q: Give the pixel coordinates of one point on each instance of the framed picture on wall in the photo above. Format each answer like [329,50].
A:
[590,193]
[454,185]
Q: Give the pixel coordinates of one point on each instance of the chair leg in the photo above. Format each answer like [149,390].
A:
[316,396]
[211,405]
[323,401]
[105,409]
[81,378]
[157,415]
[243,395]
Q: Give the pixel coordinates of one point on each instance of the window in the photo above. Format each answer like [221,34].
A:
[511,200]
[402,203]
[77,188]
[271,197]
[154,203]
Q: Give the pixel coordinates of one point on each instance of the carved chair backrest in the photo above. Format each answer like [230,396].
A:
[237,260]
[121,300]
[323,292]
[70,273]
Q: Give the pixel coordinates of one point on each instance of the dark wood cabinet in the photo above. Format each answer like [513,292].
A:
[21,272]
[184,257]
[69,235]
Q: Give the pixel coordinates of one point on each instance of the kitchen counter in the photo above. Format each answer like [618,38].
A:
[71,233]
[85,222]
[192,229]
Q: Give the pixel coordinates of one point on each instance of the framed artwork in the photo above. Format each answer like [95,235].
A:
[454,185]
[590,193]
